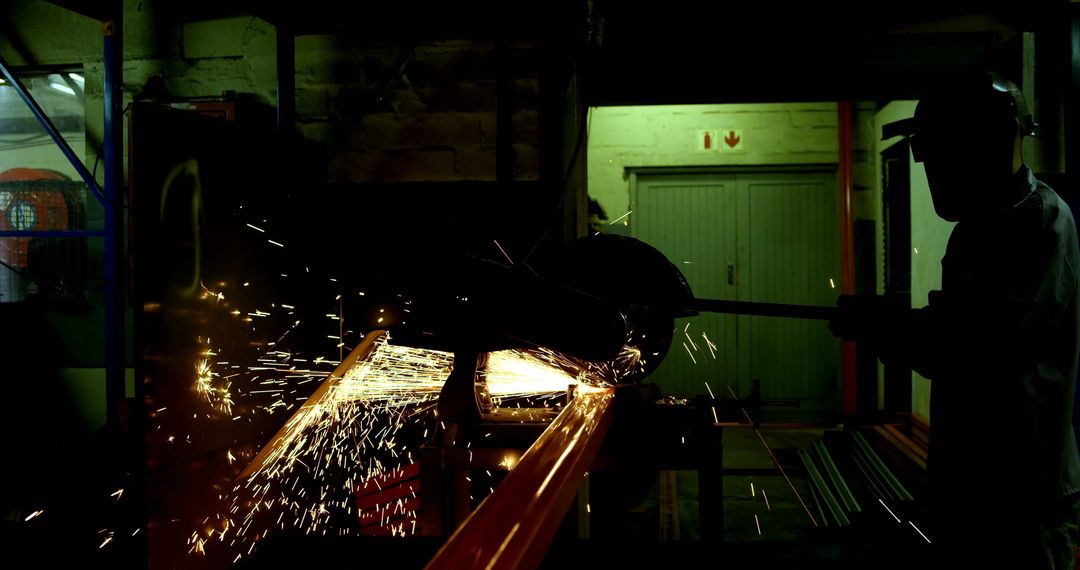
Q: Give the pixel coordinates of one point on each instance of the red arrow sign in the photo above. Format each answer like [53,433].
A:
[732,139]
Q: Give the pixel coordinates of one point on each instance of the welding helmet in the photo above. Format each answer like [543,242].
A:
[970,103]
[963,132]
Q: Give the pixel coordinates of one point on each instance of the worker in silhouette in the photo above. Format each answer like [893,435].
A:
[999,341]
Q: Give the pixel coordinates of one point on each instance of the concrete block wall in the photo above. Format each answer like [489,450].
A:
[437,123]
[666,135]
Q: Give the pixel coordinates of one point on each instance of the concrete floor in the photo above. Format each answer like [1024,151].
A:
[630,535]
[751,477]
[756,531]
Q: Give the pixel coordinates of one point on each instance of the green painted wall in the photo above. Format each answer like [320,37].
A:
[87,388]
[667,135]
[929,237]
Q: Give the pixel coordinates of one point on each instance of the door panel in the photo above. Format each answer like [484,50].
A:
[691,220]
[792,254]
[750,236]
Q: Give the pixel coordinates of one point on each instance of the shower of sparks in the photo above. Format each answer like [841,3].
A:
[775,460]
[890,511]
[709,343]
[620,218]
[208,294]
[712,407]
[366,425]
[211,385]
[523,373]
[626,364]
[33,515]
[690,353]
[503,251]
[692,343]
[919,531]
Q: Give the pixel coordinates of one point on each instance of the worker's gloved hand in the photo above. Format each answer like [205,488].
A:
[858,317]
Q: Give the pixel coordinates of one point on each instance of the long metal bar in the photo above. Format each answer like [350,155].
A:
[842,489]
[361,351]
[764,309]
[887,475]
[823,490]
[115,282]
[50,128]
[514,526]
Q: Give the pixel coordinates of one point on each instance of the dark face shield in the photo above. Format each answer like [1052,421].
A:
[963,135]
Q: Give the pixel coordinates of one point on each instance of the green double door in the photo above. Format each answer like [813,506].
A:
[750,236]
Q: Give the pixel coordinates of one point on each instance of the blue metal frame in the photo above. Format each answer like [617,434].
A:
[115,280]
[111,200]
[51,129]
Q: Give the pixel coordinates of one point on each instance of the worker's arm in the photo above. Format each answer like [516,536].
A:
[1003,316]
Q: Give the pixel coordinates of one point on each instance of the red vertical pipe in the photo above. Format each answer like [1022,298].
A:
[847,244]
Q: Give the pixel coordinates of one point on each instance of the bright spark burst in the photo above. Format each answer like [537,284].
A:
[509,462]
[363,425]
[210,385]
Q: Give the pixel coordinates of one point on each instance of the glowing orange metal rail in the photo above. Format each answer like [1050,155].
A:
[361,351]
[514,526]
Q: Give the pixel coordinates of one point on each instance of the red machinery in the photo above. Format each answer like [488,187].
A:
[27,203]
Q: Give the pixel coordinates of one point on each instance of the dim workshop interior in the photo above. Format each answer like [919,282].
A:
[480,284]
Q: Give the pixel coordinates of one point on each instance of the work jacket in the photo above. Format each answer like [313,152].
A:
[999,343]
